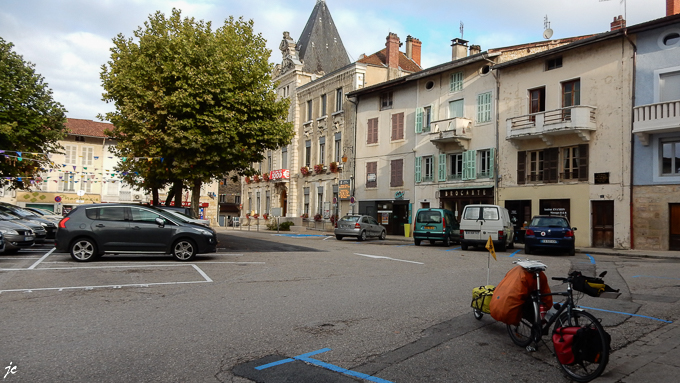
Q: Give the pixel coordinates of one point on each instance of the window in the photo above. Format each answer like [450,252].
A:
[428,169]
[269,161]
[386,101]
[267,202]
[143,215]
[397,173]
[427,118]
[553,164]
[372,131]
[257,203]
[323,105]
[469,165]
[86,183]
[322,150]
[418,168]
[669,86]
[70,154]
[371,174]
[108,213]
[456,83]
[456,108]
[309,110]
[80,139]
[485,163]
[553,63]
[455,167]
[670,158]
[571,96]
[319,200]
[536,101]
[284,157]
[398,126]
[308,153]
[484,107]
[87,154]
[67,182]
[338,147]
[305,206]
[338,99]
[237,199]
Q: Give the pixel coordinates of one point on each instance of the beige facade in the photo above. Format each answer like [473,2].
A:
[565,147]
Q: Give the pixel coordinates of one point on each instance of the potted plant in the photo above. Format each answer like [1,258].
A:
[265,216]
[265,177]
[256,178]
[247,181]
[318,169]
[318,217]
[333,219]
[304,216]
[333,166]
[304,170]
[256,216]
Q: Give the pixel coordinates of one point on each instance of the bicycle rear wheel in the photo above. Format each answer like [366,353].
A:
[522,334]
[584,370]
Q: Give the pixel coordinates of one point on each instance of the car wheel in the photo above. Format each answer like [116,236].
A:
[338,237]
[83,250]
[417,242]
[383,235]
[527,249]
[432,242]
[463,246]
[447,241]
[184,250]
[362,236]
[511,245]
[11,251]
[501,247]
[572,251]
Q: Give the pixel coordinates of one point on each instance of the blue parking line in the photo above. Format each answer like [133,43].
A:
[306,358]
[634,315]
[455,248]
[513,254]
[652,276]
[592,260]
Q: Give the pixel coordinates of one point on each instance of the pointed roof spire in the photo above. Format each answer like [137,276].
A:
[320,46]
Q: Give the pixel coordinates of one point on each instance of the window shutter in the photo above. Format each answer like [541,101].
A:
[583,162]
[375,130]
[394,127]
[550,165]
[521,168]
[418,167]
[492,162]
[470,165]
[400,126]
[396,178]
[419,120]
[442,167]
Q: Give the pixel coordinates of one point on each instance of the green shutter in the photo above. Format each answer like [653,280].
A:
[470,165]
[418,167]
[419,120]
[492,162]
[442,167]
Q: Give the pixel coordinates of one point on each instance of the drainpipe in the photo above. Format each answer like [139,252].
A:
[632,136]
[354,151]
[497,133]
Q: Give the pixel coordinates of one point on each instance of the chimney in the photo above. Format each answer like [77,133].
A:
[413,46]
[475,49]
[619,22]
[392,51]
[672,7]
[459,49]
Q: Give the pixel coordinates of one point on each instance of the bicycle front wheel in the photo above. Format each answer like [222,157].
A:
[590,365]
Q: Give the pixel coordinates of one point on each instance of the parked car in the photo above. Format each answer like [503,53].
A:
[45,214]
[36,227]
[184,210]
[16,236]
[360,226]
[49,226]
[182,216]
[479,222]
[2,244]
[90,231]
[436,225]
[549,232]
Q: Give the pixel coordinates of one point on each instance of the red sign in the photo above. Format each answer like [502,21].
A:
[57,199]
[281,174]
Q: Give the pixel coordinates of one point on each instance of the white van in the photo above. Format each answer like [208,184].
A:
[479,222]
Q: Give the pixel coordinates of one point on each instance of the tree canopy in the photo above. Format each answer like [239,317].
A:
[31,122]
[197,104]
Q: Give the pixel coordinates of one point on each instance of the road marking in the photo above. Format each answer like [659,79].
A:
[388,258]
[651,276]
[41,259]
[634,315]
[306,358]
[592,260]
[455,248]
[513,254]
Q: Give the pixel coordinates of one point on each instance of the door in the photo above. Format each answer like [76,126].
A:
[536,102]
[109,227]
[603,224]
[520,216]
[145,234]
[674,227]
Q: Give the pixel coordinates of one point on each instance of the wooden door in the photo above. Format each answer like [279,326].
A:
[603,224]
[674,227]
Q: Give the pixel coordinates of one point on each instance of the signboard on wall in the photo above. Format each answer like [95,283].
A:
[344,190]
[556,207]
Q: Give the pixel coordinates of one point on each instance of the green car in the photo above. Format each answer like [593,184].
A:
[436,225]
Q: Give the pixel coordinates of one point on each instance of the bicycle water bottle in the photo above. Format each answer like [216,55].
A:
[543,309]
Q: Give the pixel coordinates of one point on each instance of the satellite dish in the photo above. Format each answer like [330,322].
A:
[547,34]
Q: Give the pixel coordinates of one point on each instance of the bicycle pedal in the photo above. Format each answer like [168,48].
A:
[531,349]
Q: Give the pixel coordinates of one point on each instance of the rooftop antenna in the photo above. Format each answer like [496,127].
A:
[462,27]
[547,33]
[625,16]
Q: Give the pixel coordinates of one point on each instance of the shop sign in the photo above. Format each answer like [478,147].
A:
[601,178]
[281,174]
[481,192]
[399,195]
[344,190]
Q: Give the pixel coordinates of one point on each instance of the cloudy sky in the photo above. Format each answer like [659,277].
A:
[69,40]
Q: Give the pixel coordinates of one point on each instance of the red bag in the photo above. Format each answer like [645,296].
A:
[563,341]
[513,292]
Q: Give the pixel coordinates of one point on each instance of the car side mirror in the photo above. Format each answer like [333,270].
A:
[160,222]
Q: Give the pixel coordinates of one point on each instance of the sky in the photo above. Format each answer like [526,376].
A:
[69,40]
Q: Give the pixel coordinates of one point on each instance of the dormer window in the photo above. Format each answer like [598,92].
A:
[553,63]
[80,139]
[386,101]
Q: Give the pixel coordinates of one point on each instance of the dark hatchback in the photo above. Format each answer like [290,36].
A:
[90,231]
[549,232]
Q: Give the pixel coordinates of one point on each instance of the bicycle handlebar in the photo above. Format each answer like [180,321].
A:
[560,279]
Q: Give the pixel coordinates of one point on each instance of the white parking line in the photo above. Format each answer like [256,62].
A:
[41,259]
[388,258]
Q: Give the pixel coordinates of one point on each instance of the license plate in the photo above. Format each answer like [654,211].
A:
[28,238]
[548,241]
[428,227]
[471,231]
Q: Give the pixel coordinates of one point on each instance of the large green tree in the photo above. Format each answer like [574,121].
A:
[31,122]
[200,103]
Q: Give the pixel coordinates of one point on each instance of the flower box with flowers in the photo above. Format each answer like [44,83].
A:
[304,170]
[334,167]
[304,216]
[256,216]
[318,217]
[265,177]
[256,178]
[248,180]
[265,216]
[320,168]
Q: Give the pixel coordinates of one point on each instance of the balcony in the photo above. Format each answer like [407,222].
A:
[661,117]
[579,120]
[456,131]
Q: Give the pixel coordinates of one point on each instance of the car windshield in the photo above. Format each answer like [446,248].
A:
[487,213]
[429,217]
[20,212]
[179,215]
[350,218]
[549,222]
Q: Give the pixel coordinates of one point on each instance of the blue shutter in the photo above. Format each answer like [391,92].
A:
[492,162]
[418,167]
[442,167]
[419,120]
[470,165]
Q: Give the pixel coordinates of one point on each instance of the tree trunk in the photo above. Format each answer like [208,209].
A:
[196,196]
[154,196]
[178,186]
[171,194]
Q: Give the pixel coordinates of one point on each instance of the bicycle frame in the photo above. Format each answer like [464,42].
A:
[536,296]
